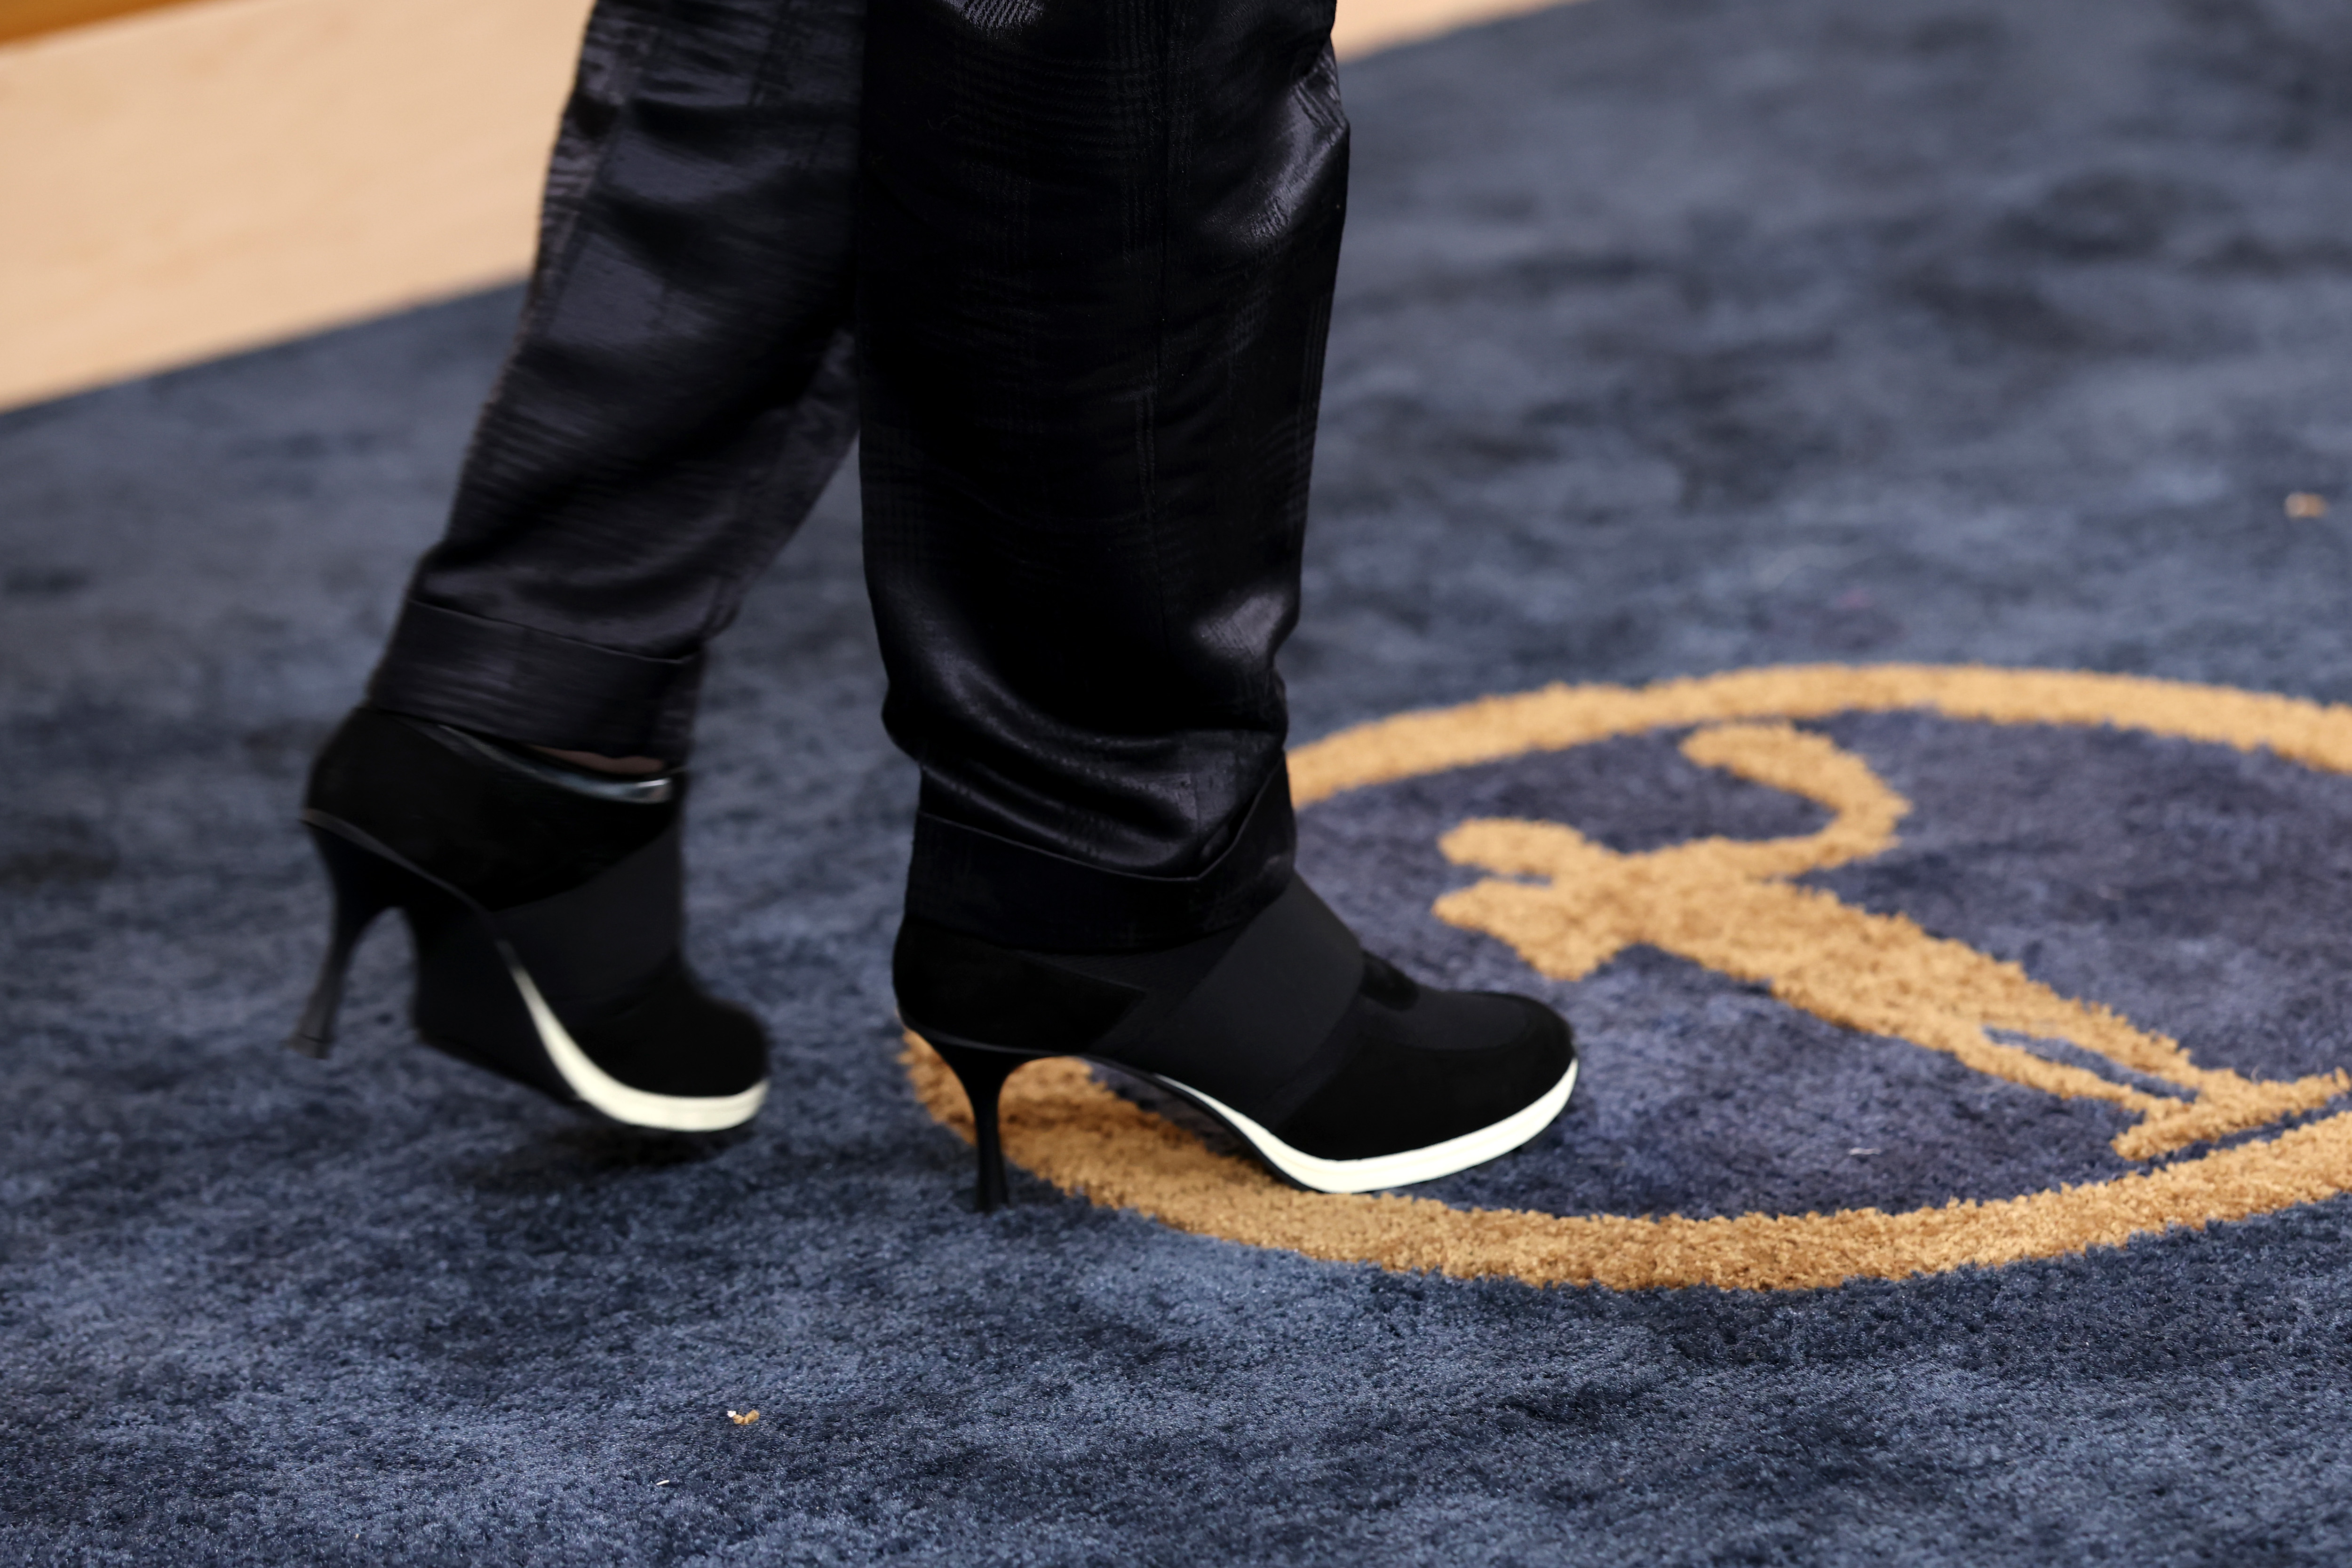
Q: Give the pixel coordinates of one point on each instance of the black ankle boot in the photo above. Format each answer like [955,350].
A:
[1342,1073]
[546,905]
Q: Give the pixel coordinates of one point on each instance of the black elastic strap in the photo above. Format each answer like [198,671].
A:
[606,937]
[1254,1023]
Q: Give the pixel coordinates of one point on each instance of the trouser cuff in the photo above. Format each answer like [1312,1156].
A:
[536,688]
[1017,895]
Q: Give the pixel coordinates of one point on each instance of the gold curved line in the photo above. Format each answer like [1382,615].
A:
[1063,1126]
[1492,729]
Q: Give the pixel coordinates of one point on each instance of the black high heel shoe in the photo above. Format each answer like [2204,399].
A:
[546,905]
[1342,1073]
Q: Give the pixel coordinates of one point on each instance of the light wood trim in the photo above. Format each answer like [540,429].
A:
[212,175]
[216,175]
[1364,23]
[1365,26]
[23,18]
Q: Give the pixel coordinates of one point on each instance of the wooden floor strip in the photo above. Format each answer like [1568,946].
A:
[187,180]
[27,19]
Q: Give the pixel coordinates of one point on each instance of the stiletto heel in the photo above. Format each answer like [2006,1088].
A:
[982,1073]
[365,887]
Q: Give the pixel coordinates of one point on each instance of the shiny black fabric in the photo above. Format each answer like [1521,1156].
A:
[679,389]
[1088,248]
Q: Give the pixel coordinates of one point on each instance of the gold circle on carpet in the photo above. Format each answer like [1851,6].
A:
[1065,1128]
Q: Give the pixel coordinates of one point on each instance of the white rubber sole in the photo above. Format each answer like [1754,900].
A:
[1392,1170]
[601,1091]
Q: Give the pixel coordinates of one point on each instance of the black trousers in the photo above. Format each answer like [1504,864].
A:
[1066,265]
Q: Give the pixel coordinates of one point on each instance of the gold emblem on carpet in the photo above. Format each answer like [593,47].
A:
[1567,905]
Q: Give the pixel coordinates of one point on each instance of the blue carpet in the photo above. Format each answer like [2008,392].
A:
[1674,336]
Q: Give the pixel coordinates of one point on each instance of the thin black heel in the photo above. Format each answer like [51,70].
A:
[365,887]
[982,1073]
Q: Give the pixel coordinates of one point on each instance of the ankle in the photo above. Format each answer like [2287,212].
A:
[596,762]
[500,825]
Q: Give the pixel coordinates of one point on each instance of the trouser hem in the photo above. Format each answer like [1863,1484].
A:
[523,685]
[1018,896]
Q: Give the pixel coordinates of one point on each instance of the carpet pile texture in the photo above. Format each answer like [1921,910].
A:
[1674,336]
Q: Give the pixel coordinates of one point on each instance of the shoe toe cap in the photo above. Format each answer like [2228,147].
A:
[1453,1064]
[676,1039]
